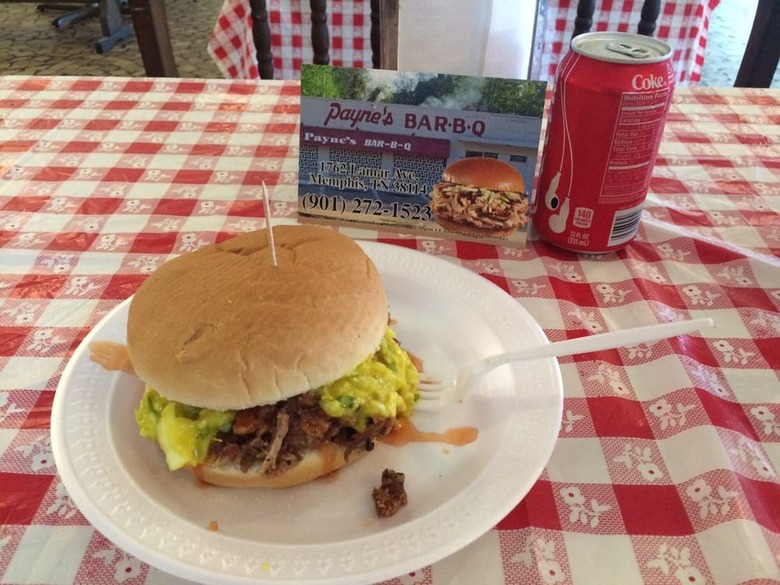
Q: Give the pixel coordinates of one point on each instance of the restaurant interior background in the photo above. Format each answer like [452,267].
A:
[664,468]
[29,45]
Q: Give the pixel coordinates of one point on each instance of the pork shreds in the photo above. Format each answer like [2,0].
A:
[482,208]
[391,495]
[276,436]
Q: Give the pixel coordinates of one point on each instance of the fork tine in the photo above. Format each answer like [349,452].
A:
[432,401]
[429,397]
[431,388]
[434,393]
[433,405]
[438,395]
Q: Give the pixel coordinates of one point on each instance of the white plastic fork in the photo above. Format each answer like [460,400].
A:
[435,396]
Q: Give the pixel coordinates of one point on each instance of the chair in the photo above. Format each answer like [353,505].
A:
[759,63]
[320,37]
[762,53]
[647,20]
[74,12]
[261,33]
[110,12]
[151,26]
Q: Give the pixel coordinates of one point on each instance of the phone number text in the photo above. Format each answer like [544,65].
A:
[374,207]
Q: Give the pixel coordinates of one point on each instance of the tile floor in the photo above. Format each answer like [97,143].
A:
[29,45]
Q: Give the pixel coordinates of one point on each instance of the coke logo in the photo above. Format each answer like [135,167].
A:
[648,82]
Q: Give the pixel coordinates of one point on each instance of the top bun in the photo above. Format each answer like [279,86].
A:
[485,173]
[222,328]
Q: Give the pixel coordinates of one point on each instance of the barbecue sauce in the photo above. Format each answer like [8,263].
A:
[112,356]
[406,433]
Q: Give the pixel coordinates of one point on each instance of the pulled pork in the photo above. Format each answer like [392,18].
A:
[391,495]
[481,208]
[277,436]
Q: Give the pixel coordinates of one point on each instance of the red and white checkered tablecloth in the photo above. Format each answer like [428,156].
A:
[233,49]
[666,466]
[682,23]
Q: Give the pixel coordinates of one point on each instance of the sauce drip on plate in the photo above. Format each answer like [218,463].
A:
[406,433]
[112,356]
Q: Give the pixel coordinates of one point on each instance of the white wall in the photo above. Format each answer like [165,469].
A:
[468,37]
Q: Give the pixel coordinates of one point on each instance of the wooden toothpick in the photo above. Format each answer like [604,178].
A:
[268,226]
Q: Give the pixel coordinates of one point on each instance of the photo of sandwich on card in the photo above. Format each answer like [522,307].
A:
[480,197]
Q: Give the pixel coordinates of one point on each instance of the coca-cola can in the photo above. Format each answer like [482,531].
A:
[611,97]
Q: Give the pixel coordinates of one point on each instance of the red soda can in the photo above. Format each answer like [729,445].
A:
[612,94]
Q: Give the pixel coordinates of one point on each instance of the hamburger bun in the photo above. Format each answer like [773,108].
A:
[315,464]
[222,328]
[485,173]
[263,375]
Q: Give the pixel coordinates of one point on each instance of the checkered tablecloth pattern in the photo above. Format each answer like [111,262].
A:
[666,467]
[682,23]
[233,49]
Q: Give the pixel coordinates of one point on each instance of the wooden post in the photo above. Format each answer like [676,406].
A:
[154,42]
[762,54]
[387,33]
[320,39]
[261,33]
[650,11]
[584,19]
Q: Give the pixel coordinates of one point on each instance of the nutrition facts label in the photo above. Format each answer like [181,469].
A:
[638,128]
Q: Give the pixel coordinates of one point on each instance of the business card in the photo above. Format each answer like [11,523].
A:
[430,154]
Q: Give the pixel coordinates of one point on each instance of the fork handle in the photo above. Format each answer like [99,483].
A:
[589,343]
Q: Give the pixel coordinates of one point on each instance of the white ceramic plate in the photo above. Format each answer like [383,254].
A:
[326,531]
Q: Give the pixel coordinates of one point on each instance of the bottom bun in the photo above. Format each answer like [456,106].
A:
[472,230]
[325,460]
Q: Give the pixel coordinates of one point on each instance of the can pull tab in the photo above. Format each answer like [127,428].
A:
[629,50]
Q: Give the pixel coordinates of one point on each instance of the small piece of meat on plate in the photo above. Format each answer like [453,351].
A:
[391,495]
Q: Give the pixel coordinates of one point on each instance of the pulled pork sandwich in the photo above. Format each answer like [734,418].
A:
[480,197]
[268,376]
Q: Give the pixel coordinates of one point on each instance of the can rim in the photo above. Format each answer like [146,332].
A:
[584,43]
